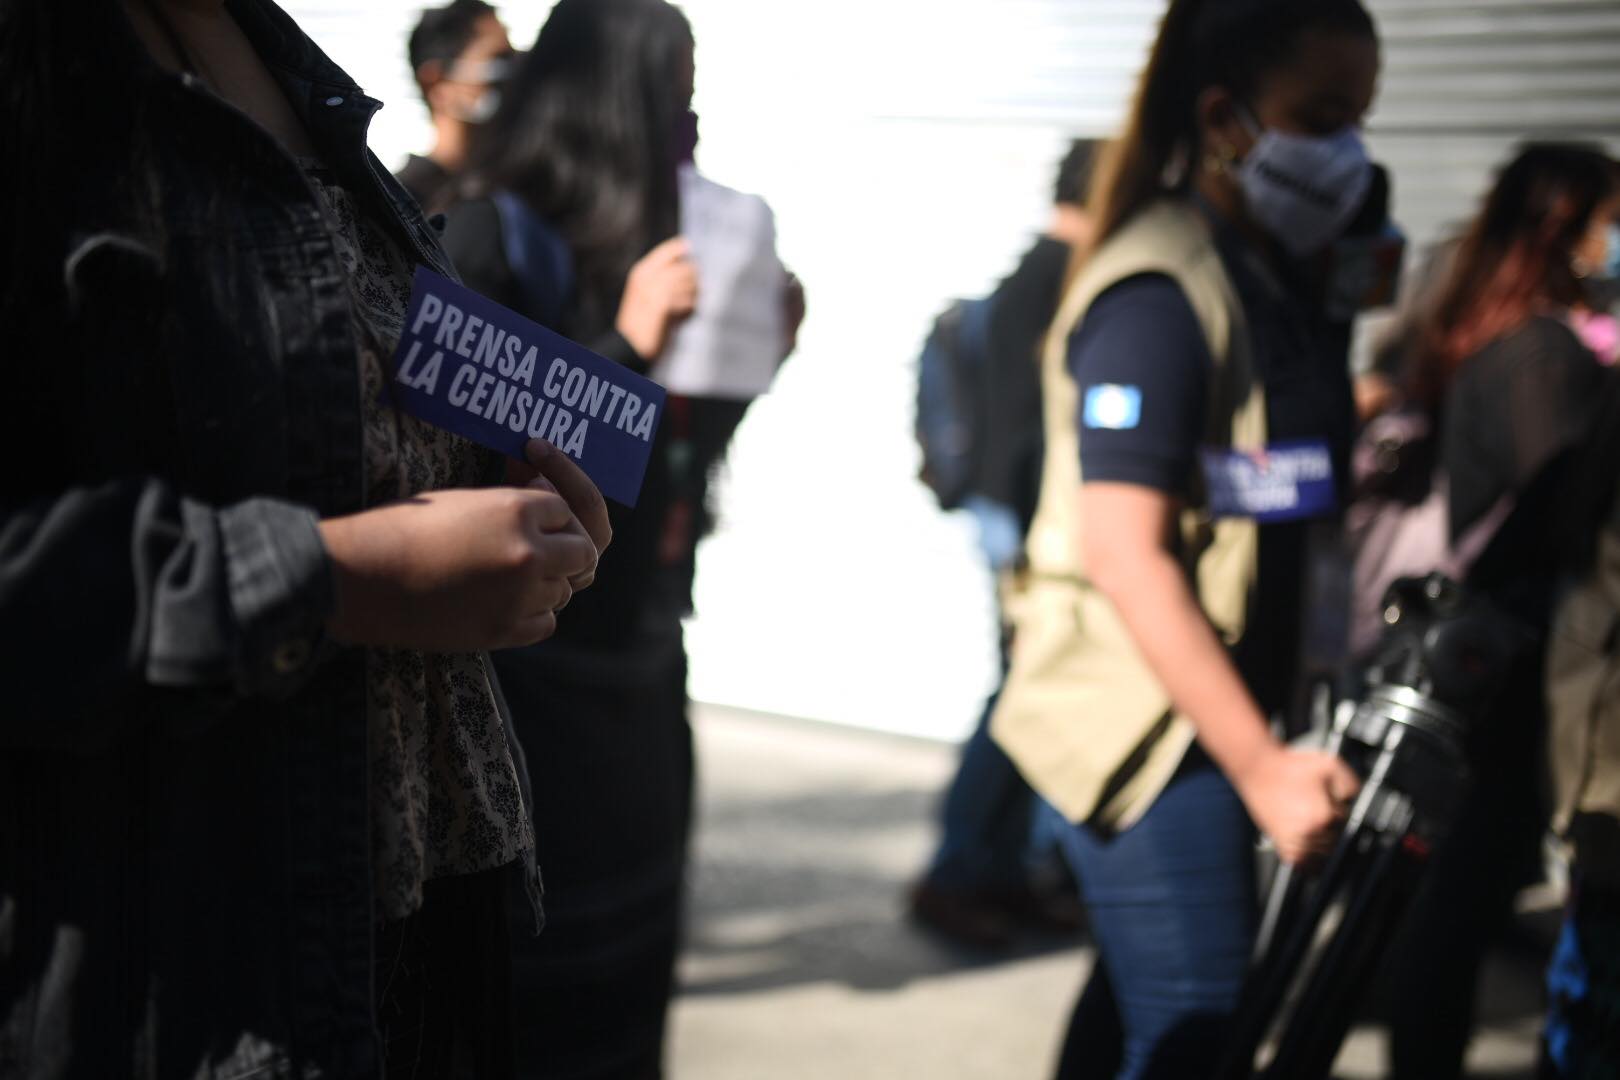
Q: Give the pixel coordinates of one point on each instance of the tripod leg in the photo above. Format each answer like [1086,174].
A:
[1318,1024]
[1274,973]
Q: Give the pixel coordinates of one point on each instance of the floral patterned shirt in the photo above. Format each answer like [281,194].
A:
[444,791]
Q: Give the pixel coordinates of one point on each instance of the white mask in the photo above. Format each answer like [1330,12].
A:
[492,73]
[1304,189]
[483,109]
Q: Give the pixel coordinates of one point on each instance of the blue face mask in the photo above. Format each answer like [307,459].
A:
[1611,265]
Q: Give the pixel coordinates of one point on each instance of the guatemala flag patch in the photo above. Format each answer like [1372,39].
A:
[1113,407]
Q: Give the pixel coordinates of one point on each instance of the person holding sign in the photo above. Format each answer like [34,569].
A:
[259,801]
[576,228]
[1196,398]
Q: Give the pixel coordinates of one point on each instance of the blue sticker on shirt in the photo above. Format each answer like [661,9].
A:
[1288,481]
[1113,407]
[471,366]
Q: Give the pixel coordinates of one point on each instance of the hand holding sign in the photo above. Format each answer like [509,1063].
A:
[548,469]
[457,571]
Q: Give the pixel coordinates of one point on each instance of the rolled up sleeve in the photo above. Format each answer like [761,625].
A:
[108,589]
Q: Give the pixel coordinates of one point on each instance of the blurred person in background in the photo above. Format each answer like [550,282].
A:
[1513,389]
[1161,626]
[995,870]
[574,222]
[259,803]
[1583,696]
[460,55]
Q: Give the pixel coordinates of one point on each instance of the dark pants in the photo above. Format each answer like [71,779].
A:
[988,819]
[442,982]
[1171,902]
[610,759]
[1466,898]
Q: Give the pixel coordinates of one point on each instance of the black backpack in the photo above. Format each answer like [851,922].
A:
[952,373]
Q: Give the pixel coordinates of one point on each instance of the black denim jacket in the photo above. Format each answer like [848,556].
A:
[184,841]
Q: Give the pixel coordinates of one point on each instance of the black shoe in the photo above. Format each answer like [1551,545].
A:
[960,917]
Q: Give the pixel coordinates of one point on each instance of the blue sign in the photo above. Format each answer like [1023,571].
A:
[1288,481]
[471,366]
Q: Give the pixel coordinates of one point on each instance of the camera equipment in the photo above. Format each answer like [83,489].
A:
[1441,659]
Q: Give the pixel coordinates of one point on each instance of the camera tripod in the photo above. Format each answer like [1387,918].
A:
[1322,937]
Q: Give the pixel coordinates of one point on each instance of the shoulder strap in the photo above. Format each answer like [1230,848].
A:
[539,258]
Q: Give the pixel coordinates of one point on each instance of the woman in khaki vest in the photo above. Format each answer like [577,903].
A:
[1198,414]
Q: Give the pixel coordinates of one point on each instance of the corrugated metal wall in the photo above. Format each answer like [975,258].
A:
[1463,81]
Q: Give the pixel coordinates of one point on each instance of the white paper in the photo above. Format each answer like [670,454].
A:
[731,345]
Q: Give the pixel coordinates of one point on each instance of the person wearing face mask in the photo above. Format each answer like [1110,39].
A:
[460,55]
[1504,367]
[1198,416]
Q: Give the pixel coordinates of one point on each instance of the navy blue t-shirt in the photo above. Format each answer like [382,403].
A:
[1142,366]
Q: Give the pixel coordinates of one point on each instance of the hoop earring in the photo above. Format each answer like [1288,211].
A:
[1220,159]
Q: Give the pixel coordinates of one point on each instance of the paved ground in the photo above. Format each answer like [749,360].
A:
[799,965]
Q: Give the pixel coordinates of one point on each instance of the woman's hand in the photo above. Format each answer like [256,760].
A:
[660,291]
[1297,798]
[457,571]
[549,469]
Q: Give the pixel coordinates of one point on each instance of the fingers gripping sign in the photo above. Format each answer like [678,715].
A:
[549,470]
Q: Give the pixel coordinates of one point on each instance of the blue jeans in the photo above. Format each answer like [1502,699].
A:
[1583,989]
[996,834]
[1172,904]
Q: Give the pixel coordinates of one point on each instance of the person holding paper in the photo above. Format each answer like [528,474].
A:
[259,801]
[575,226]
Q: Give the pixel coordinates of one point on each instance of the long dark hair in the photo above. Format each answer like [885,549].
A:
[586,135]
[1201,43]
[1518,256]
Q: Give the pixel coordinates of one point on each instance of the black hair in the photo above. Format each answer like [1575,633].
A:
[1202,43]
[1074,172]
[586,134]
[443,33]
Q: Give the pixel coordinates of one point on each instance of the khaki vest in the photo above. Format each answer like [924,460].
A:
[1081,714]
[1583,698]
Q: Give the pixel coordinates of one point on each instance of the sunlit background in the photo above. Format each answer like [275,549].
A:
[907,147]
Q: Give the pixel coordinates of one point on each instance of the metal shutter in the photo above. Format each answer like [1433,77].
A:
[1463,81]
[1466,80]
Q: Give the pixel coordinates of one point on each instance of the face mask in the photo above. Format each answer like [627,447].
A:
[482,110]
[490,72]
[1611,265]
[1304,189]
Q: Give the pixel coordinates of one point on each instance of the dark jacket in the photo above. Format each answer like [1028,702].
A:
[184,863]
[1022,309]
[430,184]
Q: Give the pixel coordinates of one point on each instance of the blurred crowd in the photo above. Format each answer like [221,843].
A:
[338,745]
